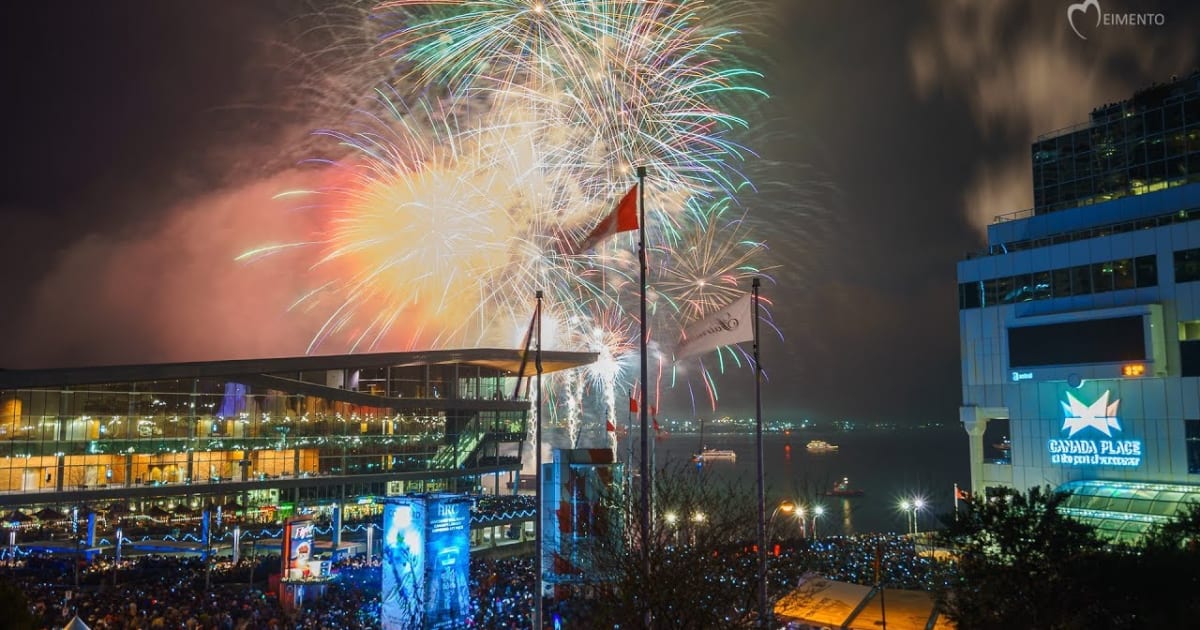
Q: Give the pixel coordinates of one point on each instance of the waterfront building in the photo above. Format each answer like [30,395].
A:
[264,437]
[1080,323]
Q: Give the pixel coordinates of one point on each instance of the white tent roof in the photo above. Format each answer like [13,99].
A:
[76,624]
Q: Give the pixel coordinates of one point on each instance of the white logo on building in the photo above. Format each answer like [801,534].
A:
[1099,415]
[1110,19]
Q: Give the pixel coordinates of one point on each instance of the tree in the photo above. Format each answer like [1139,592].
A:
[1016,554]
[1023,564]
[699,570]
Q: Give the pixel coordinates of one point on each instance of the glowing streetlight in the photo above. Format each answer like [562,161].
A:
[818,512]
[911,507]
[672,520]
[787,507]
[906,506]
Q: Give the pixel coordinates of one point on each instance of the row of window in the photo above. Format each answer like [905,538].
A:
[1181,216]
[1126,182]
[1128,154]
[1113,275]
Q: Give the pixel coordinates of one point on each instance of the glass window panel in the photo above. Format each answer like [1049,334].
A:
[1187,265]
[1042,285]
[991,296]
[1153,120]
[1062,282]
[1147,271]
[972,294]
[1004,290]
[1173,115]
[1192,440]
[1081,280]
[1123,274]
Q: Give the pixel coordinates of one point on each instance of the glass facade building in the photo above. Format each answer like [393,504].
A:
[1146,143]
[1080,323]
[274,432]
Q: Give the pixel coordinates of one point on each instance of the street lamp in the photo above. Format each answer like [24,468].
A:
[906,506]
[672,520]
[787,507]
[818,512]
[911,507]
[697,520]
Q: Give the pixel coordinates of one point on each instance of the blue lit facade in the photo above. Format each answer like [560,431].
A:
[1080,330]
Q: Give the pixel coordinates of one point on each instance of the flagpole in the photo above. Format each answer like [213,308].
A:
[762,502]
[642,409]
[629,443]
[537,473]
[956,500]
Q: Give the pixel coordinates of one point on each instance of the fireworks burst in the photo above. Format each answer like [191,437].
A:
[503,134]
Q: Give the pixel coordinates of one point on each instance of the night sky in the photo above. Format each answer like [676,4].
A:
[144,141]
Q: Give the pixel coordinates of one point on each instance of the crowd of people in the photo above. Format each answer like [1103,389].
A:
[158,591]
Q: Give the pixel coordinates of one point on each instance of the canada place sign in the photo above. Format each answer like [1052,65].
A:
[1100,417]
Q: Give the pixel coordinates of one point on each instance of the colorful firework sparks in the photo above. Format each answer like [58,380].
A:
[642,81]
[457,197]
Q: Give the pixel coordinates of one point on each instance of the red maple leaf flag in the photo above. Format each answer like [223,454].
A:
[623,218]
[961,495]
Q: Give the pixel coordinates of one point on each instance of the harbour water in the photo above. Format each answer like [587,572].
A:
[888,466]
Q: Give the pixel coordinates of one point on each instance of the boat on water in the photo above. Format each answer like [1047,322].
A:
[843,489]
[821,446]
[713,454]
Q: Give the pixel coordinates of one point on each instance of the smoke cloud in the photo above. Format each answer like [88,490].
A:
[1023,72]
[173,291]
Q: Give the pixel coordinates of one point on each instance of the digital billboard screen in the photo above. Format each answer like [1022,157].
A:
[298,563]
[426,562]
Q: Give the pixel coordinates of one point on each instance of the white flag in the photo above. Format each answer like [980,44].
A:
[730,324]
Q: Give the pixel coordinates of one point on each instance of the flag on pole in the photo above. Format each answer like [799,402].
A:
[960,494]
[623,218]
[731,324]
[633,406]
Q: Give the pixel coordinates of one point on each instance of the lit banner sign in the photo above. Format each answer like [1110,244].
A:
[426,561]
[1098,417]
[298,563]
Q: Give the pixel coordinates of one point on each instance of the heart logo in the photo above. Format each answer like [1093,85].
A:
[1082,7]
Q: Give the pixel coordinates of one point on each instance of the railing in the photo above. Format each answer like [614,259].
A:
[1013,216]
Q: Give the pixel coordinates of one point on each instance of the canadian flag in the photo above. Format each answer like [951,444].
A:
[623,218]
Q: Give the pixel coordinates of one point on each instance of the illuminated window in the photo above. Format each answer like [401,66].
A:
[1192,440]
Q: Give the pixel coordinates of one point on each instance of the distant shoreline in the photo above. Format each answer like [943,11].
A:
[806,431]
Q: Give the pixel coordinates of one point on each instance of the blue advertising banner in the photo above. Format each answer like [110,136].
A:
[403,548]
[426,561]
[449,555]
